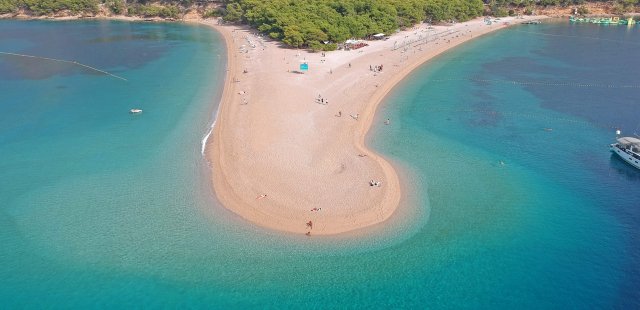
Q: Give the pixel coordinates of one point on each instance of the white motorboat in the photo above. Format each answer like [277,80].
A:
[135,111]
[628,148]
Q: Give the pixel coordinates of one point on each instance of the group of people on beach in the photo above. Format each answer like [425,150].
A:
[375,68]
[321,100]
[310,226]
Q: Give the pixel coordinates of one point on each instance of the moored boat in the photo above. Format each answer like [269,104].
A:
[628,148]
[603,20]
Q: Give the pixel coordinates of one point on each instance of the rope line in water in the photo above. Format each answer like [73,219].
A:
[568,84]
[66,61]
[512,114]
[579,37]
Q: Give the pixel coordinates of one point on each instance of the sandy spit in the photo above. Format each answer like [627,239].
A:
[288,151]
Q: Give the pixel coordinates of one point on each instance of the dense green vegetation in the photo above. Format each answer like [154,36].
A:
[506,7]
[169,9]
[315,24]
[44,7]
[309,23]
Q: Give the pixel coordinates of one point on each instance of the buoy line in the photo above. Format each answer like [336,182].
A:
[511,114]
[578,37]
[536,83]
[65,61]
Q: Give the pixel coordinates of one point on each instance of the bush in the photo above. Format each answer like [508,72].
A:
[315,46]
[500,12]
[117,7]
[47,7]
[8,6]
[618,9]
[213,13]
[155,11]
[582,10]
[330,47]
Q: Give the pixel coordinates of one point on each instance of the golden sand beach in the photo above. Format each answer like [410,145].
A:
[288,150]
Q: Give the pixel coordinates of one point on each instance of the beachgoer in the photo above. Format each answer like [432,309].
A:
[308,233]
[387,122]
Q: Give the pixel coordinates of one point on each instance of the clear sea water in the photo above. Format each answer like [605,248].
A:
[513,199]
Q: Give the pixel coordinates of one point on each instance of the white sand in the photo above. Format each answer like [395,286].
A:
[281,159]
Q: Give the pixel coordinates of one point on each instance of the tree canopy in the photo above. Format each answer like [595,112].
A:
[307,23]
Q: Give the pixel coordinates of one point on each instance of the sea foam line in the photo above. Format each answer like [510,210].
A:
[205,138]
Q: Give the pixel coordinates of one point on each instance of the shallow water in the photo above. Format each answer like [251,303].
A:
[101,208]
[509,136]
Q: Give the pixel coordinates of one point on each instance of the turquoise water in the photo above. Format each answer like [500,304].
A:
[100,208]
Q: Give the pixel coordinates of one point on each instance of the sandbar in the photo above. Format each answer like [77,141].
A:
[288,149]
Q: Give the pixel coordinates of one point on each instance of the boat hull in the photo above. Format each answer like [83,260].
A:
[625,156]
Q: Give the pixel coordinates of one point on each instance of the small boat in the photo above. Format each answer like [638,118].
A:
[628,148]
[615,20]
[135,111]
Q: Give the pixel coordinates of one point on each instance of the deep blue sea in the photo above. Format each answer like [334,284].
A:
[513,199]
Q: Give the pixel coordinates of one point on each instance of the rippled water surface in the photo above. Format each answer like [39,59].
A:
[503,143]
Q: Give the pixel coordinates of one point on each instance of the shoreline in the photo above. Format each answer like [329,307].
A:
[281,160]
[271,186]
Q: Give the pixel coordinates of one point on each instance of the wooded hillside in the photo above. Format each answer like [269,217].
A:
[308,23]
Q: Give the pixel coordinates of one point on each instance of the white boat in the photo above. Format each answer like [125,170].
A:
[628,148]
[135,111]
